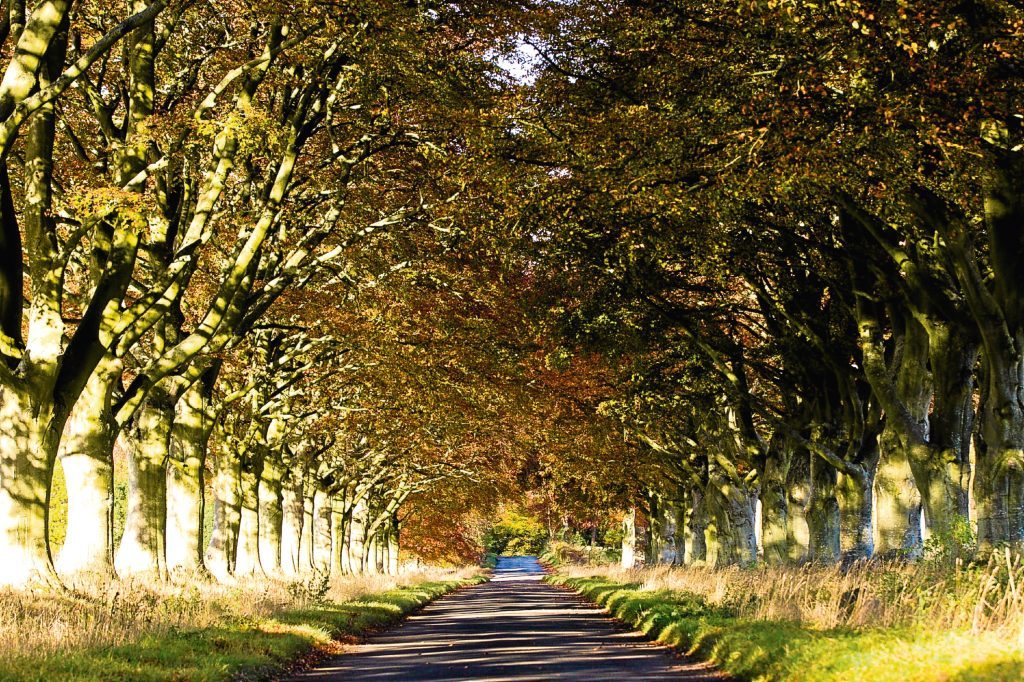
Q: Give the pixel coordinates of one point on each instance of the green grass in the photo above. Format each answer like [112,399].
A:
[255,649]
[776,650]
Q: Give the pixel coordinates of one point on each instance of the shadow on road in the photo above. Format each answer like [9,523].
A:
[512,628]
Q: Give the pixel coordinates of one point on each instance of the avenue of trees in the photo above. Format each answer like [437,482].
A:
[193,197]
[746,268]
[795,231]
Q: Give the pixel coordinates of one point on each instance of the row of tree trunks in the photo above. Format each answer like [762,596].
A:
[270,520]
[809,511]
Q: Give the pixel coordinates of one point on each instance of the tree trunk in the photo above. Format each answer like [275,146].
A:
[143,545]
[897,501]
[823,513]
[798,496]
[33,409]
[775,508]
[669,514]
[271,515]
[291,525]
[185,509]
[306,548]
[856,530]
[357,537]
[393,548]
[731,536]
[323,527]
[87,457]
[696,550]
[247,557]
[999,312]
[1000,457]
[652,533]
[370,554]
[340,517]
[682,510]
[186,484]
[28,449]
[629,539]
[943,469]
[227,514]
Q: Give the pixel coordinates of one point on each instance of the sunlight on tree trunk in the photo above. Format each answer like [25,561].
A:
[186,485]
[897,502]
[87,458]
[323,526]
[271,516]
[823,513]
[247,555]
[143,545]
[856,530]
[291,524]
[629,539]
[357,538]
[27,454]
[775,518]
[227,511]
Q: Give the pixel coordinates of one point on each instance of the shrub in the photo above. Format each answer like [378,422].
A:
[559,553]
[515,534]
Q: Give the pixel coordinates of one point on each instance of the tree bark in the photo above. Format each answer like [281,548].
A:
[629,539]
[681,510]
[942,471]
[1000,456]
[87,457]
[823,513]
[143,545]
[37,396]
[291,523]
[28,450]
[856,515]
[271,515]
[775,507]
[357,537]
[897,501]
[323,527]
[307,558]
[798,495]
[393,546]
[653,532]
[247,557]
[371,554]
[227,514]
[731,535]
[340,520]
[186,484]
[696,551]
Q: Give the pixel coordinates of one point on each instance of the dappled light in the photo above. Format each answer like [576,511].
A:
[512,628]
[523,318]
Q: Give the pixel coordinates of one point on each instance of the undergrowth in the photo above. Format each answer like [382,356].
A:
[198,630]
[886,622]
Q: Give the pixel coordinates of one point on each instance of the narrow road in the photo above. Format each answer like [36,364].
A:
[514,627]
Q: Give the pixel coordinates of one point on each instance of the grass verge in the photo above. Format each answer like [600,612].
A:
[235,648]
[765,650]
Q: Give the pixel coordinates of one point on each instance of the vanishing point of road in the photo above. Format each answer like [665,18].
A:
[514,627]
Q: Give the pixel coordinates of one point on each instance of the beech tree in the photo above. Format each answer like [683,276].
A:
[779,216]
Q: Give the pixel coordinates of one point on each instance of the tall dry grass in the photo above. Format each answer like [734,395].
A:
[979,598]
[112,613]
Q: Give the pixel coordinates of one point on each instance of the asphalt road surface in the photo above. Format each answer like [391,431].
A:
[514,627]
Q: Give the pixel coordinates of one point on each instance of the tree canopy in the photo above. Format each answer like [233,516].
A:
[333,270]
